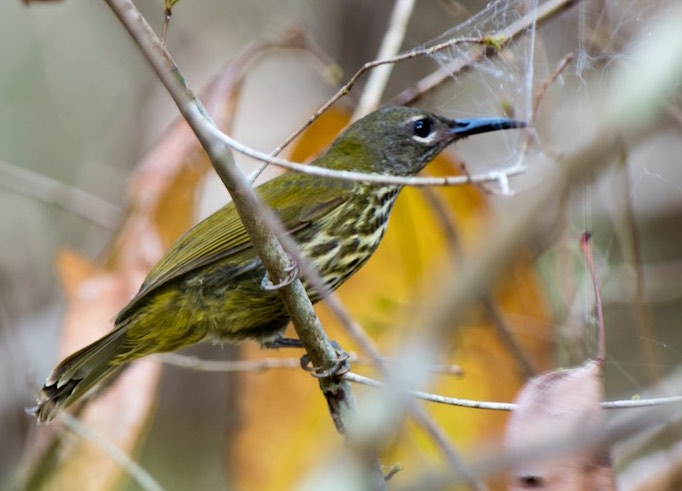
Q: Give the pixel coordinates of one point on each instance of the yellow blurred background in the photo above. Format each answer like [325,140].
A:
[78,106]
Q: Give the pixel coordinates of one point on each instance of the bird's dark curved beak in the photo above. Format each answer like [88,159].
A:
[460,128]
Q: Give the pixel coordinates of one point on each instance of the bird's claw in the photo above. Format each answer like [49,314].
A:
[339,368]
[292,271]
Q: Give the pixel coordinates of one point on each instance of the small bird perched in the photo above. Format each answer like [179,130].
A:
[210,284]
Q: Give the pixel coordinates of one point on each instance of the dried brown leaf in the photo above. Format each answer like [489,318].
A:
[551,407]
[381,296]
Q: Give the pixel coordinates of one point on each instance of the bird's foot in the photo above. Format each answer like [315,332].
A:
[339,368]
[282,342]
[292,272]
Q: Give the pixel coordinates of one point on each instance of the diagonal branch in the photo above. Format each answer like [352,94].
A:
[257,219]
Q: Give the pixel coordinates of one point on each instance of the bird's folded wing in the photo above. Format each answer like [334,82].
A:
[222,234]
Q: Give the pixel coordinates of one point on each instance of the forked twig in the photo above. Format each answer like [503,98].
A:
[344,90]
[265,231]
[497,40]
[519,166]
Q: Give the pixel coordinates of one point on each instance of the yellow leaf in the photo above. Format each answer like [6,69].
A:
[285,419]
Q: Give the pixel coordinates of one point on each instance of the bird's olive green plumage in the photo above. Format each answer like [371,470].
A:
[209,285]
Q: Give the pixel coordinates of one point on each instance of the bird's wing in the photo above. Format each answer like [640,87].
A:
[222,234]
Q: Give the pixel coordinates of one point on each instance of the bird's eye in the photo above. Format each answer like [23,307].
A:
[422,127]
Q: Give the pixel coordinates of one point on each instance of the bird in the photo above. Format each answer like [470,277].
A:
[210,285]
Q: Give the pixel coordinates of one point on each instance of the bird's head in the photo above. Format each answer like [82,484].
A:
[401,140]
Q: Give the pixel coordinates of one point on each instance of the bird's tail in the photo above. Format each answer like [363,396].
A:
[78,373]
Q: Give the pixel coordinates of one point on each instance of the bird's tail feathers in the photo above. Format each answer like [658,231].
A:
[78,373]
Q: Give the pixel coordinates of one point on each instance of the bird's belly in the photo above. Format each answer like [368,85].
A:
[342,257]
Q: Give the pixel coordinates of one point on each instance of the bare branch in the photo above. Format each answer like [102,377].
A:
[494,41]
[640,403]
[497,40]
[503,329]
[630,243]
[200,364]
[586,248]
[393,39]
[494,463]
[490,176]
[134,470]
[227,366]
[508,406]
[52,192]
[194,363]
[260,223]
[271,159]
[540,95]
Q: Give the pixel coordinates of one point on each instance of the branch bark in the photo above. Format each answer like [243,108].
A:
[258,222]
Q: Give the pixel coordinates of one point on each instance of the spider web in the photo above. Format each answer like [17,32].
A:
[647,186]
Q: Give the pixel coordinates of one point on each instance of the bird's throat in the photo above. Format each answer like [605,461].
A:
[340,247]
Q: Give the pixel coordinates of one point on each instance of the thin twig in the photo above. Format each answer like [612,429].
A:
[586,249]
[379,179]
[493,463]
[507,406]
[504,332]
[203,365]
[544,87]
[52,192]
[513,231]
[134,470]
[519,165]
[499,39]
[227,366]
[640,403]
[167,14]
[537,100]
[345,90]
[641,313]
[496,40]
[393,39]
[260,223]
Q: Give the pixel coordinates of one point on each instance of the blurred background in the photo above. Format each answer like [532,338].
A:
[79,107]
